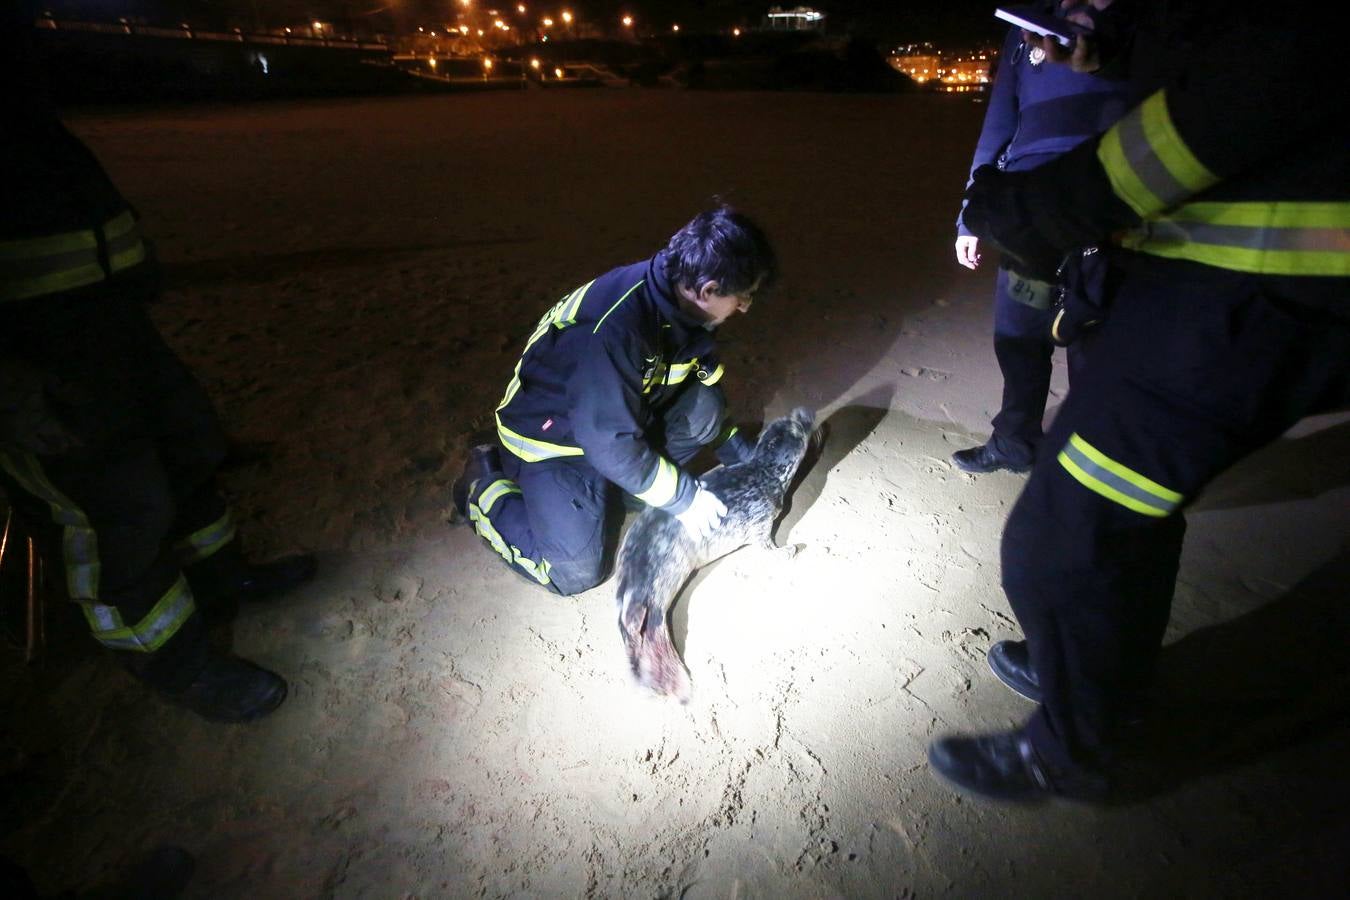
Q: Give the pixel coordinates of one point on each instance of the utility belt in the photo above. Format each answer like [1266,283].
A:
[34,267]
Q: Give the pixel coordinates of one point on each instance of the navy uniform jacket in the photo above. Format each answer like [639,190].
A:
[597,365]
[1039,111]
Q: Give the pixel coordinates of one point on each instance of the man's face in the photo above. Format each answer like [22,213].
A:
[714,307]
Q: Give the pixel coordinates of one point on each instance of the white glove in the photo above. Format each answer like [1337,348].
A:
[968,251]
[702,515]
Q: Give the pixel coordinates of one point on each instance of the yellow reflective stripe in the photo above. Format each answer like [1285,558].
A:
[484,528]
[79,542]
[119,225]
[711,378]
[532,450]
[152,631]
[11,251]
[488,497]
[616,306]
[1118,483]
[206,540]
[1260,237]
[1148,164]
[66,280]
[663,486]
[70,259]
[1170,148]
[127,258]
[567,311]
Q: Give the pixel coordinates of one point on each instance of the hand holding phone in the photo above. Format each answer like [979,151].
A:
[1062,31]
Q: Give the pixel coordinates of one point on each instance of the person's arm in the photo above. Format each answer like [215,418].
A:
[1211,123]
[607,408]
[1000,117]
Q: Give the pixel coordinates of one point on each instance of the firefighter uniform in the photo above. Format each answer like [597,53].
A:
[1231,324]
[131,507]
[616,386]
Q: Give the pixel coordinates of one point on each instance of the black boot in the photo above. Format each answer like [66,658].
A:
[1004,766]
[984,458]
[484,460]
[1011,662]
[225,577]
[1001,766]
[230,689]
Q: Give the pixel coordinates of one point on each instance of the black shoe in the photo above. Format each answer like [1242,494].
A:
[983,459]
[263,581]
[483,460]
[230,689]
[1001,766]
[1011,662]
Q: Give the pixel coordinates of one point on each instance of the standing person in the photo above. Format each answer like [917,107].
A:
[108,446]
[1036,112]
[619,385]
[1230,191]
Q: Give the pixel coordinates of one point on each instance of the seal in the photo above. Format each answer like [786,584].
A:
[658,555]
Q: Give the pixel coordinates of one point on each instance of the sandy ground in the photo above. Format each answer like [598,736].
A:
[352,280]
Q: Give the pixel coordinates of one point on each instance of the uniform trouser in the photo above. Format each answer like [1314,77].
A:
[548,519]
[133,511]
[1196,368]
[1024,351]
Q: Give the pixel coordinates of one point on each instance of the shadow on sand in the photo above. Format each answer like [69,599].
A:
[1266,682]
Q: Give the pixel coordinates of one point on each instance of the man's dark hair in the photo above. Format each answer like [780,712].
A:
[721,245]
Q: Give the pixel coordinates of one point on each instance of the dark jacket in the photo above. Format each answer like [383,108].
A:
[596,367]
[1039,111]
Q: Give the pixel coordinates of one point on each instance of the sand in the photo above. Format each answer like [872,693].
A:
[353,279]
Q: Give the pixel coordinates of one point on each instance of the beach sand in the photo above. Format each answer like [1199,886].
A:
[353,280]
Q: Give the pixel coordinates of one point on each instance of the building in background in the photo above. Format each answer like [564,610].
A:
[950,73]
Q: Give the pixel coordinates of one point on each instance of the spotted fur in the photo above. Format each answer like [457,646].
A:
[658,555]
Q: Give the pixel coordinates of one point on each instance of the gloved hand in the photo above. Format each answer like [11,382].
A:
[702,515]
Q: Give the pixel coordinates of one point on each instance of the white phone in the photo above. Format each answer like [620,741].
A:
[1037,22]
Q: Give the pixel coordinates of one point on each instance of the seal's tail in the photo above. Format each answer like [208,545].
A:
[646,635]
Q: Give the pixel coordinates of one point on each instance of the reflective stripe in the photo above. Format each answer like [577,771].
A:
[570,306]
[1120,484]
[151,632]
[492,493]
[63,262]
[616,306]
[484,528]
[207,540]
[79,543]
[679,372]
[1150,167]
[711,378]
[1268,238]
[663,485]
[530,449]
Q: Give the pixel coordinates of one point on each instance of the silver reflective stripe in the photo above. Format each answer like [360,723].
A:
[153,631]
[1146,163]
[1113,486]
[1247,237]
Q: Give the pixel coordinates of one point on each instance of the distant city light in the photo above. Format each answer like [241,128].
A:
[548,23]
[674,28]
[534,63]
[567,17]
[627,21]
[520,8]
[558,73]
[735,32]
